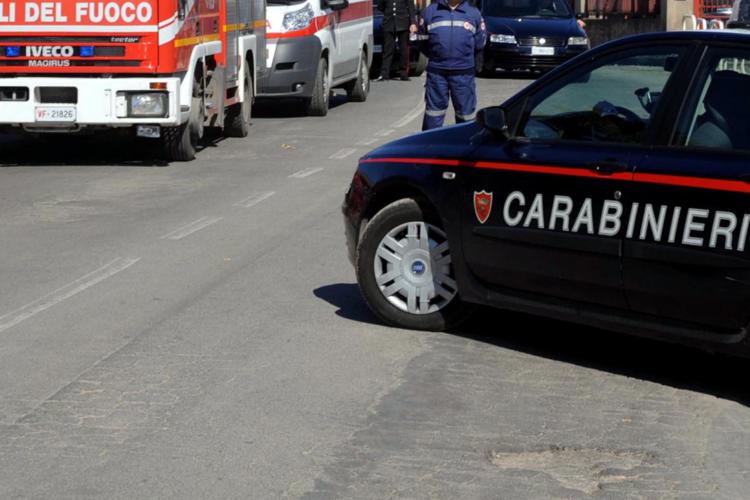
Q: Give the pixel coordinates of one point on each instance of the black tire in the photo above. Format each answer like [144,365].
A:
[179,143]
[358,89]
[317,105]
[389,218]
[239,116]
[421,65]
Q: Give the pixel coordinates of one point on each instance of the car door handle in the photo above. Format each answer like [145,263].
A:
[608,167]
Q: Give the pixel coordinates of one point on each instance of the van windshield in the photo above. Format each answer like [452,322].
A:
[526,8]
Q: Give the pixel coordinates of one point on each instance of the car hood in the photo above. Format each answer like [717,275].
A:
[524,26]
[456,141]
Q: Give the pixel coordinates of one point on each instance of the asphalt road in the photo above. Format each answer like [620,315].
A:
[195,331]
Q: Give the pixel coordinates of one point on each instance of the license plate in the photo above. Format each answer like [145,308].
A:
[542,51]
[56,114]
[377,49]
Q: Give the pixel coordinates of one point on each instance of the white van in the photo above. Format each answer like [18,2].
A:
[315,46]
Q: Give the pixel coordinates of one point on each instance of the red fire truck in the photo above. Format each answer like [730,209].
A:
[165,68]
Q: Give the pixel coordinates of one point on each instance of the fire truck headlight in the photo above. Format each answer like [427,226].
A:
[149,104]
[299,19]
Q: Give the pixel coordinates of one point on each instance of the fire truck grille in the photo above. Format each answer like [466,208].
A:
[57,95]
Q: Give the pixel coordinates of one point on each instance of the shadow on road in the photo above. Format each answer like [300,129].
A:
[110,149]
[347,298]
[290,108]
[672,365]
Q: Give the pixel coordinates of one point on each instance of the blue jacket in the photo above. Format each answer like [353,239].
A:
[453,36]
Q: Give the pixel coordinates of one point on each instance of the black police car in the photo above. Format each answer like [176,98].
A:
[614,191]
[529,34]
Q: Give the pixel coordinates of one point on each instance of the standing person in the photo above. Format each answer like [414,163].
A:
[454,32]
[399,20]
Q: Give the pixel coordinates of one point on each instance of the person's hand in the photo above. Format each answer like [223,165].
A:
[581,23]
[413,28]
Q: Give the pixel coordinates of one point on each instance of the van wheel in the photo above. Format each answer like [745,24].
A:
[317,105]
[358,89]
[239,116]
[419,68]
[404,269]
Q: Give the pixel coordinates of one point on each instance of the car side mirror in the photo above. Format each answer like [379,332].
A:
[337,4]
[495,120]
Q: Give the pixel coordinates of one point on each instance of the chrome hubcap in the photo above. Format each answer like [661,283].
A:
[413,268]
[365,76]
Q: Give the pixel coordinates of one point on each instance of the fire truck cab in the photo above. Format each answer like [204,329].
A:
[165,68]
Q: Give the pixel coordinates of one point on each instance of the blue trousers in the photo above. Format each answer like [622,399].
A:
[440,89]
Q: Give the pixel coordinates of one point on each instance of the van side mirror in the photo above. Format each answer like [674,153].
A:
[182,10]
[495,120]
[337,4]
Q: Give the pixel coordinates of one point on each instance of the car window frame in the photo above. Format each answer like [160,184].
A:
[676,84]
[703,67]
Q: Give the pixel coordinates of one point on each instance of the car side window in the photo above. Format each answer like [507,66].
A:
[718,112]
[611,100]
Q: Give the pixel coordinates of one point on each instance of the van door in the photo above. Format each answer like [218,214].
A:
[351,25]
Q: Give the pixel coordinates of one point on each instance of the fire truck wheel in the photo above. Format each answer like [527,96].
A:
[177,143]
[237,121]
[358,89]
[317,105]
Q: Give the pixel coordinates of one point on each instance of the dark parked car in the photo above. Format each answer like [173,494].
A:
[418,61]
[740,18]
[613,191]
[529,34]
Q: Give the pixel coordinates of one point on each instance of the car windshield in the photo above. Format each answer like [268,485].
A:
[526,8]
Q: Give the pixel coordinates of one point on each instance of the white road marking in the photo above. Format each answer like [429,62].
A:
[343,153]
[368,142]
[384,133]
[410,117]
[306,173]
[191,228]
[33,308]
[253,200]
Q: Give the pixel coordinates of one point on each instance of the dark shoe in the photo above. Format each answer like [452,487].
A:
[381,78]
[405,78]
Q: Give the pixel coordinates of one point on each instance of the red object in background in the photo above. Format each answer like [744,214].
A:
[640,8]
[713,9]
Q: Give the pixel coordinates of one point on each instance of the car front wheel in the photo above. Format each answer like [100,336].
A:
[404,269]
